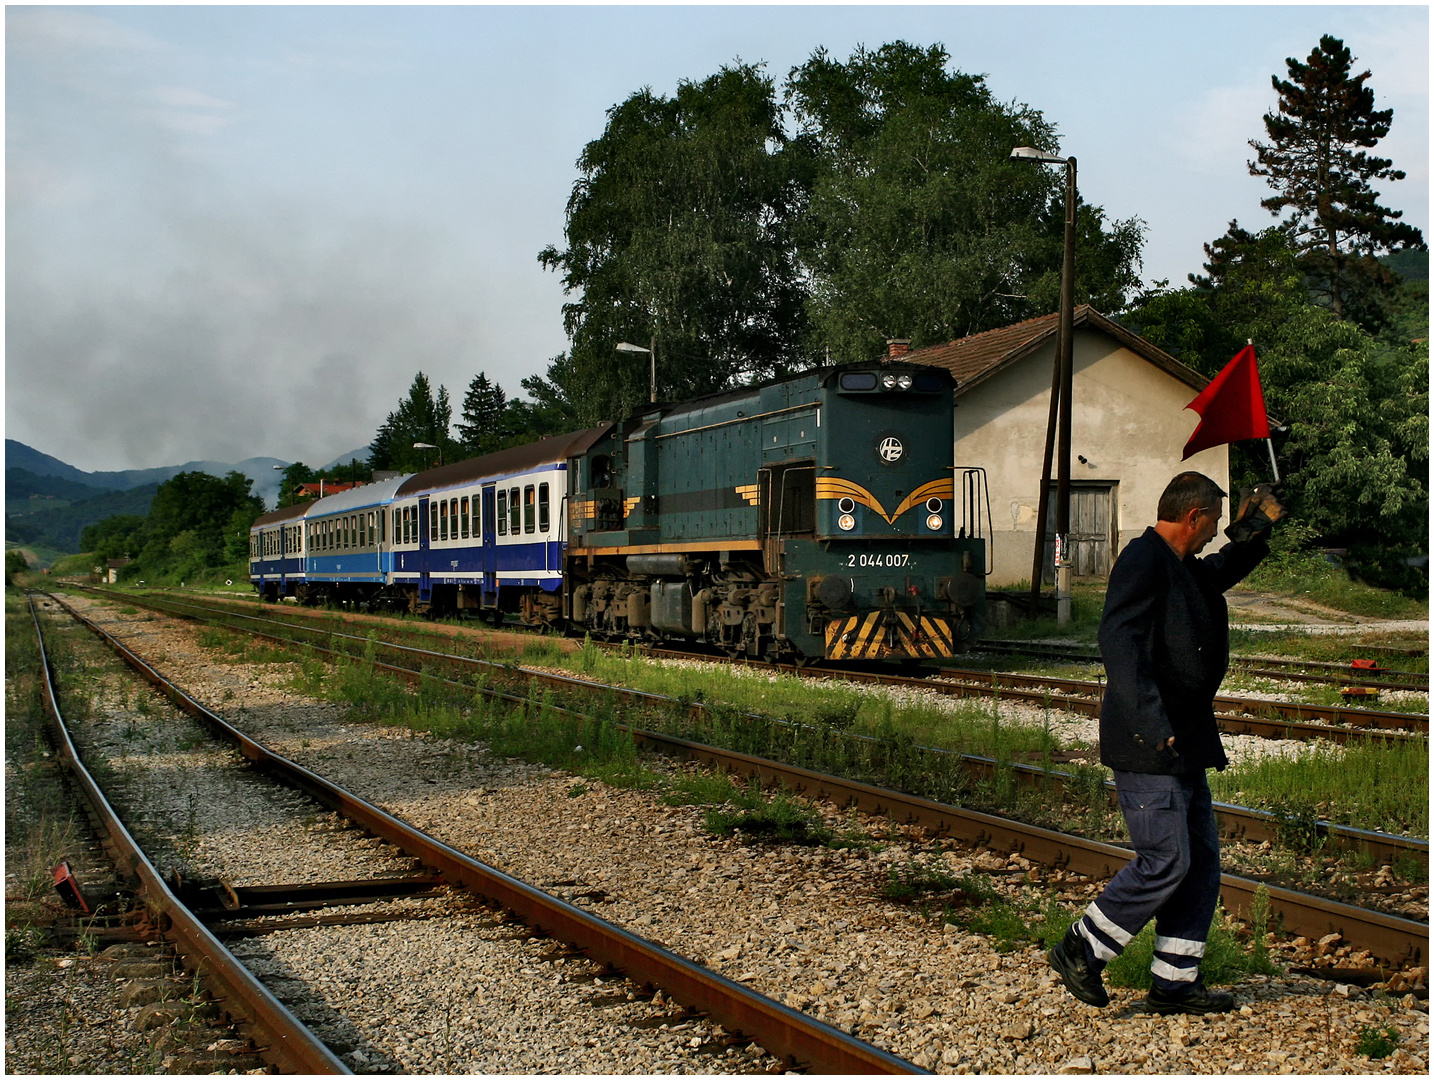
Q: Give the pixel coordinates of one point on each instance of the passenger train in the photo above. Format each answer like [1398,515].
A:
[816,517]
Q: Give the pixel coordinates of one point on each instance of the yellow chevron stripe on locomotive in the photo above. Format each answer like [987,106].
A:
[895,635]
[835,487]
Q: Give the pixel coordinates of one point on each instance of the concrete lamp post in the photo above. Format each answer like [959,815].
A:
[628,347]
[1060,395]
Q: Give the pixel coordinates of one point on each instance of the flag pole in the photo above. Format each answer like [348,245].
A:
[1269,443]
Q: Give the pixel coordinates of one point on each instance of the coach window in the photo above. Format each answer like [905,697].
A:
[515,512]
[443,519]
[432,520]
[543,518]
[530,508]
[453,519]
[463,515]
[502,513]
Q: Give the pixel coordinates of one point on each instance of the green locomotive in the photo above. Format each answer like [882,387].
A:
[814,517]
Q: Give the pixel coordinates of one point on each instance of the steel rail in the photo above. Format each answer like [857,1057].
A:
[784,1032]
[1236,822]
[1235,715]
[1278,667]
[1391,938]
[281,1038]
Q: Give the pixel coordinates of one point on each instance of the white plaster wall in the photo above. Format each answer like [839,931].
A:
[1129,421]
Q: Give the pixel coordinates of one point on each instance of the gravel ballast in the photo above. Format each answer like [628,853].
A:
[804,926]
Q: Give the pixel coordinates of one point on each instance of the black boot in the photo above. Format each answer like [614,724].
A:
[1197,1001]
[1069,961]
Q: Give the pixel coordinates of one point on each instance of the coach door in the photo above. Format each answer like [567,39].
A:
[425,586]
[490,547]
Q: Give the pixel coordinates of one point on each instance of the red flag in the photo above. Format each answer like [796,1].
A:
[1231,408]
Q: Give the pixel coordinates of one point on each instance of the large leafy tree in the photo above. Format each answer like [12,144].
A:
[422,417]
[678,230]
[1354,452]
[1315,160]
[920,226]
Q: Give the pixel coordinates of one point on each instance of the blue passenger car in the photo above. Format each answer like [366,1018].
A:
[276,553]
[487,535]
[348,545]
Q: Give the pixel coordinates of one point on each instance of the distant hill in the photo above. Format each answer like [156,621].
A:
[360,455]
[20,456]
[57,524]
[48,503]
[1408,264]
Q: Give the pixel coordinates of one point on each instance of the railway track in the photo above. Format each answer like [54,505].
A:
[798,1040]
[1393,939]
[1236,822]
[1322,672]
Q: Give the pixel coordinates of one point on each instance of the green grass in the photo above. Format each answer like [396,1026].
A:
[1335,648]
[1307,576]
[1375,1042]
[1227,960]
[776,819]
[1369,783]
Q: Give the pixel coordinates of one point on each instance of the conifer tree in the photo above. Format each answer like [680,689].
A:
[1316,162]
[483,426]
[420,417]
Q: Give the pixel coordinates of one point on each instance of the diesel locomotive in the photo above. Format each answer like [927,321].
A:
[815,517]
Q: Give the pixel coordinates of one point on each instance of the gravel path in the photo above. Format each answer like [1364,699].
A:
[805,926]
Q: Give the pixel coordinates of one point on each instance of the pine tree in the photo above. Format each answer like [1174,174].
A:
[482,428]
[420,417]
[1314,162]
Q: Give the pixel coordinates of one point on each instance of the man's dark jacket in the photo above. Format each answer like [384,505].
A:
[1165,640]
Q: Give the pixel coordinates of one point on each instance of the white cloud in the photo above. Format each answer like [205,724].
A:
[60,33]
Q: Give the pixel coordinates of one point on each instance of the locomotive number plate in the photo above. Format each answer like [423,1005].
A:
[870,560]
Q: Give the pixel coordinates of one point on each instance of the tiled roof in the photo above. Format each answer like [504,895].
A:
[973,359]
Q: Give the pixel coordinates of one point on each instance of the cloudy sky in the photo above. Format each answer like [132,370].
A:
[236,231]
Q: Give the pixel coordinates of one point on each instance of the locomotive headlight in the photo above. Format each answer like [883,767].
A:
[888,382]
[934,523]
[933,506]
[903,382]
[846,506]
[847,523]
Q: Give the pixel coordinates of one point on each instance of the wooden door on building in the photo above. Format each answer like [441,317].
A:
[1093,530]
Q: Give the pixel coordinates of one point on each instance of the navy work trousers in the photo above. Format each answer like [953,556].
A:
[1174,878]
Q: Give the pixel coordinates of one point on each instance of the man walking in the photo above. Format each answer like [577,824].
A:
[1164,637]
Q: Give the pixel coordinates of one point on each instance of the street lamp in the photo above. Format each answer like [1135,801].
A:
[430,446]
[1060,390]
[623,346]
